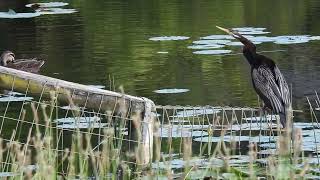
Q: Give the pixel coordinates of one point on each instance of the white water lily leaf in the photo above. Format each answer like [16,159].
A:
[227,138]
[234,43]
[78,119]
[252,126]
[212,52]
[180,163]
[82,125]
[292,39]
[195,112]
[206,46]
[218,37]
[13,15]
[212,42]
[8,174]
[171,91]
[162,52]
[48,5]
[169,38]
[267,118]
[179,132]
[254,32]
[45,11]
[246,29]
[262,39]
[14,99]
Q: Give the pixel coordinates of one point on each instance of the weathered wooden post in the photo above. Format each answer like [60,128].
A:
[90,97]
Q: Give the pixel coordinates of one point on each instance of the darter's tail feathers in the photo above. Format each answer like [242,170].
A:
[286,117]
[283,119]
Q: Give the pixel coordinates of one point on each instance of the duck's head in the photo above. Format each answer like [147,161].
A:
[6,57]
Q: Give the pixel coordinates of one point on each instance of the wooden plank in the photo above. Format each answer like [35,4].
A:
[122,105]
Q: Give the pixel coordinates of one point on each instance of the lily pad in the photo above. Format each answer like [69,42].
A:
[238,160]
[78,119]
[206,46]
[14,99]
[45,11]
[292,39]
[74,108]
[195,112]
[169,38]
[303,125]
[253,126]
[315,37]
[268,145]
[254,32]
[248,29]
[212,42]
[227,138]
[179,131]
[8,174]
[212,52]
[171,91]
[13,15]
[162,52]
[82,125]
[268,151]
[267,118]
[217,37]
[12,93]
[180,163]
[262,39]
[47,5]
[234,43]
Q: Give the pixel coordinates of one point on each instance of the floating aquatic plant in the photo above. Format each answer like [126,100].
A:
[206,46]
[45,11]
[11,14]
[212,52]
[171,91]
[162,52]
[47,5]
[195,112]
[168,38]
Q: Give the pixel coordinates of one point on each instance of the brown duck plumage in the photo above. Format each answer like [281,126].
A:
[7,59]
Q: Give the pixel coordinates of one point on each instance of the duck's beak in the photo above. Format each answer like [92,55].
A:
[235,35]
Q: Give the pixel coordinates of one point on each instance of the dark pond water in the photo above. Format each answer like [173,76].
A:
[111,38]
[118,38]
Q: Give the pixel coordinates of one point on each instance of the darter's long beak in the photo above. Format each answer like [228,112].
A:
[233,34]
[225,30]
